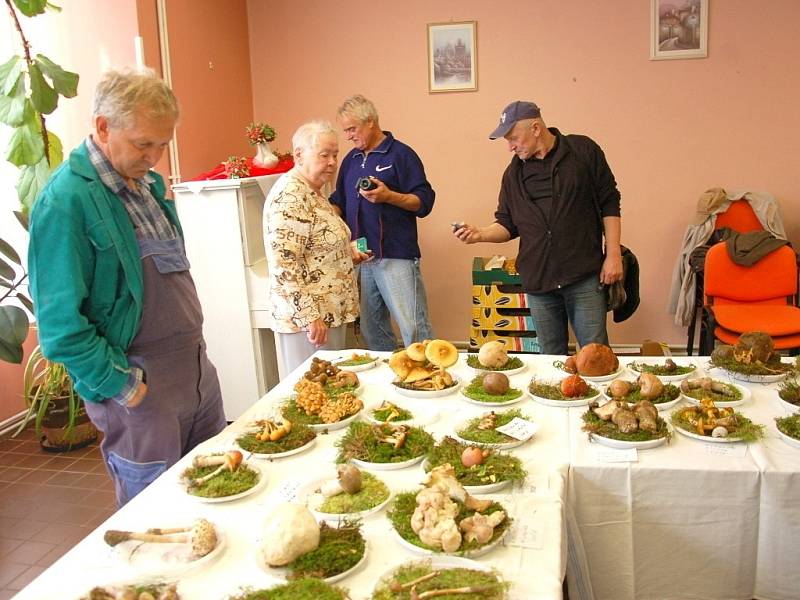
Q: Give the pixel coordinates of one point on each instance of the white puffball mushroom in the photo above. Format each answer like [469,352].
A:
[493,354]
[288,532]
[719,432]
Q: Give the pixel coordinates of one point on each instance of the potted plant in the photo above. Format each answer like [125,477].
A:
[58,412]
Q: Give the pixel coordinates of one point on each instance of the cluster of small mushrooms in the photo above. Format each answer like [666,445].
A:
[707,419]
[628,417]
[314,400]
[422,365]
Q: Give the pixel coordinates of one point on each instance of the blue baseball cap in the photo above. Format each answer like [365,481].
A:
[516,111]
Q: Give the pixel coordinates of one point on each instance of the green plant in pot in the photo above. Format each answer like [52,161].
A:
[57,411]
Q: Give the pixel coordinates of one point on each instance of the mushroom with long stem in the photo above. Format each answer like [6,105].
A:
[201,536]
[229,461]
[475,589]
[397,587]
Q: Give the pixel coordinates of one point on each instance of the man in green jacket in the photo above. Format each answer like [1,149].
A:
[113,296]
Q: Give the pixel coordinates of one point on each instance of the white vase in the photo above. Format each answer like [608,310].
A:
[264,157]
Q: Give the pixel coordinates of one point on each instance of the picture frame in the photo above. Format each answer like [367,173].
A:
[452,57]
[678,29]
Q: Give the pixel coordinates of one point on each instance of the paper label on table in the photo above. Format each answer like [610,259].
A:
[523,534]
[288,491]
[735,450]
[612,455]
[519,429]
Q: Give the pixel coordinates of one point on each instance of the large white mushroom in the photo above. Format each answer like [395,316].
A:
[288,532]
[493,354]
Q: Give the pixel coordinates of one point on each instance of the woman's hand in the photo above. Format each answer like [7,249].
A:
[317,333]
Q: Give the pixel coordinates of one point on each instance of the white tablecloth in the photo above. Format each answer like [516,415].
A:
[536,571]
[687,522]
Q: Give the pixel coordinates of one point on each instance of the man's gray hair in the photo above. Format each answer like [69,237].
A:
[307,134]
[121,94]
[358,108]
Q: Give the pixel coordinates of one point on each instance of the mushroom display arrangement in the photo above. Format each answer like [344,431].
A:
[419,580]
[474,466]
[388,412]
[592,360]
[219,475]
[314,405]
[422,366]
[492,387]
[493,356]
[201,538]
[621,421]
[713,389]
[300,589]
[275,436]
[383,443]
[753,354]
[668,368]
[789,391]
[789,425]
[570,388]
[708,420]
[647,387]
[443,517]
[351,491]
[148,591]
[357,360]
[483,429]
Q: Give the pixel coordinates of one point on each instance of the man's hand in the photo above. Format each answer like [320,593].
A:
[378,195]
[612,269]
[317,333]
[469,234]
[141,391]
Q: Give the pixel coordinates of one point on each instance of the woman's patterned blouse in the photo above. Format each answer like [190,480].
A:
[309,258]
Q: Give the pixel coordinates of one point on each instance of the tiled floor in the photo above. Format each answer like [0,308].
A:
[48,502]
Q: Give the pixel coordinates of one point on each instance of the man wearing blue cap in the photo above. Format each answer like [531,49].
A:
[559,196]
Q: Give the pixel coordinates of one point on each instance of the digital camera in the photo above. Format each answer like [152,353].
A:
[365,183]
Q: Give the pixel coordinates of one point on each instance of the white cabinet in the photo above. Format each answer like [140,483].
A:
[224,242]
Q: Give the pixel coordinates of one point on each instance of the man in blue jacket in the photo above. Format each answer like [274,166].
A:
[113,296]
[381,191]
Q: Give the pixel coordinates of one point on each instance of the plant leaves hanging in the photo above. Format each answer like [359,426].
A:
[64,82]
[44,97]
[13,331]
[9,73]
[7,271]
[32,180]
[9,252]
[25,146]
[31,8]
[13,106]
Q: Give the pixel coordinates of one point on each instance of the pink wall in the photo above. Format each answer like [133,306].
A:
[670,129]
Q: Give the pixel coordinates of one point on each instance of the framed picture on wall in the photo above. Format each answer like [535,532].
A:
[452,57]
[678,29]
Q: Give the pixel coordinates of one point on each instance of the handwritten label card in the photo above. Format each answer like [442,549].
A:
[519,429]
[735,450]
[523,534]
[612,455]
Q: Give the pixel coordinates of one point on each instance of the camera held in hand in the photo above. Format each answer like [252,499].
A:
[365,183]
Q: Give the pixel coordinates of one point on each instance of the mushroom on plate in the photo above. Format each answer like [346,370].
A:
[201,536]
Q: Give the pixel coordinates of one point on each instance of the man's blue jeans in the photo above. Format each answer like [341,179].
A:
[393,286]
[582,304]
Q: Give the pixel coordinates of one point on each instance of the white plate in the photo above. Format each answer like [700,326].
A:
[357,368]
[624,444]
[469,553]
[599,378]
[490,404]
[164,559]
[429,393]
[667,378]
[262,481]
[367,411]
[297,450]
[370,466]
[282,572]
[561,403]
[500,446]
[706,438]
[337,425]
[659,406]
[436,562]
[308,495]
[721,404]
[756,378]
[788,439]
[788,406]
[508,372]
[473,489]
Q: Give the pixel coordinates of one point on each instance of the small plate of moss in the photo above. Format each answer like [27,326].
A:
[476,393]
[789,394]
[549,393]
[135,591]
[226,486]
[723,394]
[383,447]
[512,366]
[482,430]
[789,429]
[667,371]
[772,371]
[492,471]
[300,438]
[608,434]
[689,421]
[341,551]
[300,589]
[402,508]
[388,412]
[357,362]
[371,498]
[329,418]
[442,572]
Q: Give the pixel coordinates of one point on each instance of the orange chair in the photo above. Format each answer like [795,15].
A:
[761,297]
[740,217]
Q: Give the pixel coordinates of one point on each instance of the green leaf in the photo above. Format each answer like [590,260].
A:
[22,217]
[52,7]
[9,73]
[44,98]
[25,301]
[56,150]
[32,180]
[13,106]
[31,8]
[25,146]
[65,82]
[13,331]
[7,271]
[9,252]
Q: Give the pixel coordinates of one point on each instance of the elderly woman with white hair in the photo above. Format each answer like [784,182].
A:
[312,283]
